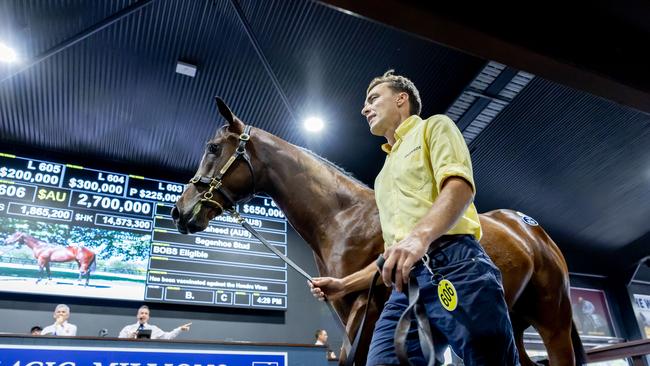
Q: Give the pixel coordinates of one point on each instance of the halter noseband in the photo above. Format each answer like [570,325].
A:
[215,183]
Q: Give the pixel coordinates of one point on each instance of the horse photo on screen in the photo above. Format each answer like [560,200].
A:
[338,218]
[45,253]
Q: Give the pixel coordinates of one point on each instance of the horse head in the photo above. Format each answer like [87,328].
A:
[15,238]
[225,176]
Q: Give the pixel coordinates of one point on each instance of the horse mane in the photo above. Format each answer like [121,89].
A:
[321,159]
[332,165]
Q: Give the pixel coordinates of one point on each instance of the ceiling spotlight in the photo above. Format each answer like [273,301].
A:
[313,124]
[7,54]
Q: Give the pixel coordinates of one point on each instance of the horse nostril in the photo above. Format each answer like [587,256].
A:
[175,214]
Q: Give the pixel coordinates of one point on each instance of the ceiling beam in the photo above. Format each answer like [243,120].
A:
[598,47]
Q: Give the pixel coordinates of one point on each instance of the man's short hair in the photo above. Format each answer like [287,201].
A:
[62,306]
[143,307]
[318,332]
[35,328]
[400,84]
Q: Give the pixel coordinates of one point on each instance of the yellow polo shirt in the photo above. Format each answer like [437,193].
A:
[425,153]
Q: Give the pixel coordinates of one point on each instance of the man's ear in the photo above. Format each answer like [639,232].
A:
[402,97]
[234,124]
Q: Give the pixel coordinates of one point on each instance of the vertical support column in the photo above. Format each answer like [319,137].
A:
[617,287]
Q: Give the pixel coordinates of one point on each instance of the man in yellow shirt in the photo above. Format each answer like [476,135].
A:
[430,227]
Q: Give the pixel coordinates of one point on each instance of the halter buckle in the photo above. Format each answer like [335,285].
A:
[215,183]
[244,137]
[195,180]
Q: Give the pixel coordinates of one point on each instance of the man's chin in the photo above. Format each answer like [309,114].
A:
[375,131]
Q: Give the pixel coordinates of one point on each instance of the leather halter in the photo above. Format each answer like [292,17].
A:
[216,184]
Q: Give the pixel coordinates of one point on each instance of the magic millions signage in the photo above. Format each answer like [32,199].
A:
[96,356]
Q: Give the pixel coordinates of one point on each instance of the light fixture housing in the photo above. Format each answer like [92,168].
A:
[185,68]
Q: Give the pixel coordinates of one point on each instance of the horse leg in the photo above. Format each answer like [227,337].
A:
[519,325]
[554,322]
[49,273]
[352,327]
[41,273]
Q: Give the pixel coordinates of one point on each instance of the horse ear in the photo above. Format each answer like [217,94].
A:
[234,124]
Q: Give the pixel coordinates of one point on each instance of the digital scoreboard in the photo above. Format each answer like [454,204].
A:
[125,222]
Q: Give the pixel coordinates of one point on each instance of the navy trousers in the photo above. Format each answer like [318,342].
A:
[478,330]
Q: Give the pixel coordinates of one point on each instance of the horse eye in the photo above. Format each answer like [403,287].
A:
[214,149]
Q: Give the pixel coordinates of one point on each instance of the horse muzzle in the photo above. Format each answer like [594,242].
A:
[196,220]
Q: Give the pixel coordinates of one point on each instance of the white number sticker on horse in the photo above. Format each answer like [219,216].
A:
[527,219]
[447,295]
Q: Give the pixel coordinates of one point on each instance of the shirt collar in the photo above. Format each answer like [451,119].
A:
[401,131]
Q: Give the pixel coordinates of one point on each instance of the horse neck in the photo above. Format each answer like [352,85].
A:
[312,194]
[31,241]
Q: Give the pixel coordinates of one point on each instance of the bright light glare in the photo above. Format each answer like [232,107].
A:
[313,124]
[7,54]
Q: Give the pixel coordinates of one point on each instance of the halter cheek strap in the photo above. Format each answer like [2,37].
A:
[215,183]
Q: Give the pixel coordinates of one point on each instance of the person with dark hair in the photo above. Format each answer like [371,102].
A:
[321,340]
[61,327]
[36,330]
[431,229]
[131,330]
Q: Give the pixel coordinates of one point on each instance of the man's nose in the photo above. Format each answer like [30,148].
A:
[365,110]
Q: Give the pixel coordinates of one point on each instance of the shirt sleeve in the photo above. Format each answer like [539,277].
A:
[173,334]
[157,333]
[448,151]
[125,332]
[72,330]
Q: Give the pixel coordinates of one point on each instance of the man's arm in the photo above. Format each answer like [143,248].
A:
[335,288]
[126,332]
[173,333]
[157,333]
[454,198]
[49,330]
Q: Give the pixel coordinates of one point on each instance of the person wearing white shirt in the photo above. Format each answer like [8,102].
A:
[61,327]
[321,340]
[131,330]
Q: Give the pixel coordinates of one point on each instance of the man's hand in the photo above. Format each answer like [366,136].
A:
[185,327]
[59,320]
[330,287]
[133,334]
[401,257]
[454,198]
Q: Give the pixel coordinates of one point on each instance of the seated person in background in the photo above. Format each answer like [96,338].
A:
[321,340]
[61,327]
[36,330]
[131,331]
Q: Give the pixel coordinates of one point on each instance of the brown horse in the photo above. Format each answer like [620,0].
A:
[337,216]
[46,253]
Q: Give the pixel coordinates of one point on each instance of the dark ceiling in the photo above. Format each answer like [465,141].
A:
[98,84]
